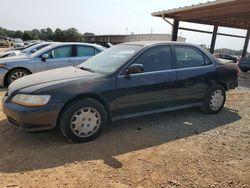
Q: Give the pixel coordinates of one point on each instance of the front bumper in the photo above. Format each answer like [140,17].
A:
[32,118]
[3,73]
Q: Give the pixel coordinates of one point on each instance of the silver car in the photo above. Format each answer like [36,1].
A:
[53,56]
[29,50]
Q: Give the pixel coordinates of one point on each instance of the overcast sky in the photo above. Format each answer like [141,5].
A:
[106,17]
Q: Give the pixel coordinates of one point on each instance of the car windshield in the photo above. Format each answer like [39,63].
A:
[111,59]
[30,48]
[43,50]
[18,40]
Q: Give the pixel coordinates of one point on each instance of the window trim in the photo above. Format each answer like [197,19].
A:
[202,53]
[122,72]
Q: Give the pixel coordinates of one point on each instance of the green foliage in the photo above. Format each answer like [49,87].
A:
[226,51]
[69,35]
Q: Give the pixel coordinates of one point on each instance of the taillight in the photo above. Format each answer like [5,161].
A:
[238,69]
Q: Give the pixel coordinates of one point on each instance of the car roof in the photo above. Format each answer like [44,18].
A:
[149,43]
[58,44]
[73,43]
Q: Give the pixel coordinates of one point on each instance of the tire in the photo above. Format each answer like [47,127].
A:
[214,100]
[244,70]
[16,74]
[83,120]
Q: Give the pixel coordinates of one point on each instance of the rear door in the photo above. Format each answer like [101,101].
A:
[151,90]
[58,57]
[194,70]
[83,53]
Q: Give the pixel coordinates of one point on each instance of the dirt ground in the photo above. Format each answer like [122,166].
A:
[3,49]
[177,149]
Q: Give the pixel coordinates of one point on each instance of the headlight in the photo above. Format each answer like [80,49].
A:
[2,65]
[31,100]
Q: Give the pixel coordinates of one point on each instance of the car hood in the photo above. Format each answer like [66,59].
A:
[20,57]
[5,53]
[40,80]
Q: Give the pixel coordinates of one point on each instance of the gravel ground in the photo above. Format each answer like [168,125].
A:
[177,149]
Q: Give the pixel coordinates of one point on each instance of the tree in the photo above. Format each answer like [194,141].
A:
[18,34]
[58,35]
[69,35]
[27,35]
[88,34]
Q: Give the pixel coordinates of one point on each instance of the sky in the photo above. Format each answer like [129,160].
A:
[107,17]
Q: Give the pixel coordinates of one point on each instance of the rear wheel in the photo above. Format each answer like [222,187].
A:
[214,100]
[83,121]
[244,70]
[16,74]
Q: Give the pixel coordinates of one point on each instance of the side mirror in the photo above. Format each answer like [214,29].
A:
[135,68]
[44,57]
[33,51]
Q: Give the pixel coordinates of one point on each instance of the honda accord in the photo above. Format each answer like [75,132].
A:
[124,81]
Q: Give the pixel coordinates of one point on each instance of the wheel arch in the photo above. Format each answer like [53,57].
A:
[218,82]
[6,75]
[94,96]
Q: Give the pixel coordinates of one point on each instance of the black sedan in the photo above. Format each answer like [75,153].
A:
[127,80]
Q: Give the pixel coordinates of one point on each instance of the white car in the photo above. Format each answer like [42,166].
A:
[30,50]
[18,43]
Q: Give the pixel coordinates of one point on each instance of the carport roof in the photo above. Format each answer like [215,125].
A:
[227,13]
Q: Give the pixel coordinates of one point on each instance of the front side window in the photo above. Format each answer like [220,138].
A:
[155,59]
[85,51]
[61,52]
[187,56]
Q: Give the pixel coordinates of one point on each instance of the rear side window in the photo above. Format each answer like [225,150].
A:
[85,51]
[61,52]
[187,56]
[155,59]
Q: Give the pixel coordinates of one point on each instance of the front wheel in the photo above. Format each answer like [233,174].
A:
[214,100]
[16,74]
[83,120]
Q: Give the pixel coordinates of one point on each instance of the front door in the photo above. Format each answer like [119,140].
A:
[58,57]
[151,90]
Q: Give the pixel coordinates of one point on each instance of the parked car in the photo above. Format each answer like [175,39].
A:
[5,43]
[23,48]
[244,64]
[53,56]
[126,80]
[18,43]
[226,58]
[30,50]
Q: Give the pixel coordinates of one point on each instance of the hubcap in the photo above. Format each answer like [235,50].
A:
[216,100]
[85,122]
[17,75]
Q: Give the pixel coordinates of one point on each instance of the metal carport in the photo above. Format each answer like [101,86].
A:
[224,13]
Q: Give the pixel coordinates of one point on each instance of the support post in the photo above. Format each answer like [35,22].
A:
[175,30]
[212,46]
[244,53]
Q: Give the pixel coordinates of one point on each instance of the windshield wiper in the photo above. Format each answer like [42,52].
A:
[87,69]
